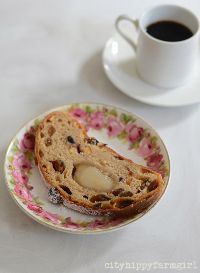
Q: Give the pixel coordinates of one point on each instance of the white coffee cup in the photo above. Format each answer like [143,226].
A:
[162,63]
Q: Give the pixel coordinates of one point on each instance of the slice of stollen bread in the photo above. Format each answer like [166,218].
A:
[88,176]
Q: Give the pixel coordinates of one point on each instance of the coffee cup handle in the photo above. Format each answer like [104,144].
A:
[117,26]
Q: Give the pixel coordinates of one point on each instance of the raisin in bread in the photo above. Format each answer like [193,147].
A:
[88,176]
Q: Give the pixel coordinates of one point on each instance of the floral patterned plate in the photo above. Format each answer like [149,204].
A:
[125,132]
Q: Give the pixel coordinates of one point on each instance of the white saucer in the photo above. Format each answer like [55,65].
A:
[119,65]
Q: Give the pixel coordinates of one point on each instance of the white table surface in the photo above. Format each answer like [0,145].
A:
[50,55]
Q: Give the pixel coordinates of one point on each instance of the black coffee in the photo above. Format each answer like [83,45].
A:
[169,31]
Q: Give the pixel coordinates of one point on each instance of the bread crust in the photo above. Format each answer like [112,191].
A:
[139,205]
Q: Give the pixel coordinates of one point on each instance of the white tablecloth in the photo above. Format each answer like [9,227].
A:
[50,55]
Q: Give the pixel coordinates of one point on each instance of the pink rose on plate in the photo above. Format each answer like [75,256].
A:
[79,113]
[154,161]
[47,215]
[114,126]
[96,120]
[28,142]
[145,148]
[20,177]
[22,192]
[50,216]
[34,208]
[21,162]
[70,224]
[96,224]
[134,132]
[115,221]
